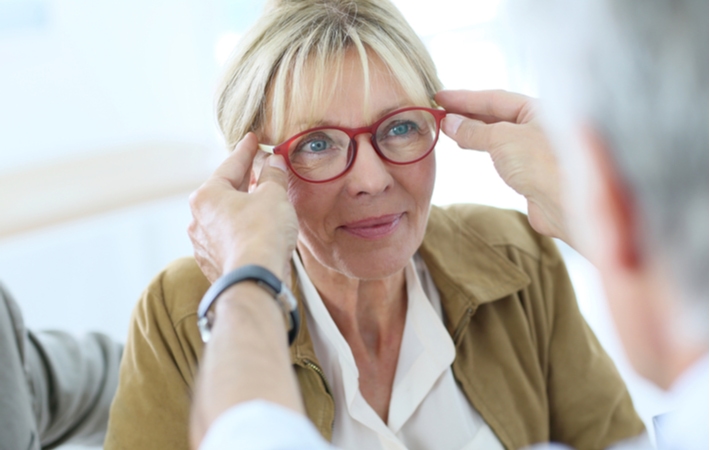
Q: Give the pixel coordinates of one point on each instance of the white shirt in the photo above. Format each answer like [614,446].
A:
[262,425]
[686,427]
[427,408]
[251,425]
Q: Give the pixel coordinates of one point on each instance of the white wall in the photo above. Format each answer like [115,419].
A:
[78,77]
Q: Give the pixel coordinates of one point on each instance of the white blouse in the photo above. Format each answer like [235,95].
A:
[427,409]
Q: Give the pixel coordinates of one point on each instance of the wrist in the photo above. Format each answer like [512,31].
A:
[246,299]
[255,275]
[267,260]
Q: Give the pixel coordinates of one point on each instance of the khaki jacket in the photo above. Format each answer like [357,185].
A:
[526,359]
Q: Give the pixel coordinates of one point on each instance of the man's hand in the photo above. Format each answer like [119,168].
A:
[506,126]
[232,227]
[241,218]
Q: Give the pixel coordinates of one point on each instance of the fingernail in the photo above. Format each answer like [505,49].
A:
[451,124]
[277,161]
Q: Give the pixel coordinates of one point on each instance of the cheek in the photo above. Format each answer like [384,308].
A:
[419,180]
[301,197]
[430,167]
[312,203]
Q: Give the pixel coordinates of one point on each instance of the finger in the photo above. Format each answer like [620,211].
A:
[495,105]
[257,166]
[468,133]
[235,167]
[274,171]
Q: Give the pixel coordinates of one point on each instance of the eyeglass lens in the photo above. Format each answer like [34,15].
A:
[326,153]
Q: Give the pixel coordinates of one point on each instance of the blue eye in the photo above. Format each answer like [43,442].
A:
[317,145]
[402,129]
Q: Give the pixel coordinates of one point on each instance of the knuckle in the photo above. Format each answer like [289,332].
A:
[467,135]
[193,232]
[498,133]
[468,131]
[273,188]
[200,197]
[195,197]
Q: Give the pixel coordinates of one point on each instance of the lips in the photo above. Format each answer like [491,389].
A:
[374,227]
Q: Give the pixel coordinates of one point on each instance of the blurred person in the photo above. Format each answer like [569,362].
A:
[421,326]
[54,389]
[625,85]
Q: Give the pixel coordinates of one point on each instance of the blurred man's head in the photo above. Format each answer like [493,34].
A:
[626,83]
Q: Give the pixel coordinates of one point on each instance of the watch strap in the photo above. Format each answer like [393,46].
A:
[263,278]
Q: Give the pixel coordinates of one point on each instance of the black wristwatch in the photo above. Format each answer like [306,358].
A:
[264,278]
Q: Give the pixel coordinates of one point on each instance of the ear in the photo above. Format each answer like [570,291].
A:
[613,207]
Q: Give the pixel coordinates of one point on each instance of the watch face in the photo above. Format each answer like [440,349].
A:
[287,299]
[204,325]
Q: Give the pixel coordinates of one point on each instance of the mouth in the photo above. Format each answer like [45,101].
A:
[374,227]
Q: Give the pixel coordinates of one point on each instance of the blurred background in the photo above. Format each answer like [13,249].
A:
[107,125]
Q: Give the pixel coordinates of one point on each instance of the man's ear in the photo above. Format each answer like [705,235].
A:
[613,207]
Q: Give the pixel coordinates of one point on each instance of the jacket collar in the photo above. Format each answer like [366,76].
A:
[302,348]
[467,270]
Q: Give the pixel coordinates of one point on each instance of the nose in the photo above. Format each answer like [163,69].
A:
[369,174]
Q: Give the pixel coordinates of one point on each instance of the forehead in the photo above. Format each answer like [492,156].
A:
[339,93]
[352,97]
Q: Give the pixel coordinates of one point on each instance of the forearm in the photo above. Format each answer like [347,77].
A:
[54,386]
[247,357]
[74,381]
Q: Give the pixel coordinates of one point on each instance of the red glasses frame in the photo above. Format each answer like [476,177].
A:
[282,149]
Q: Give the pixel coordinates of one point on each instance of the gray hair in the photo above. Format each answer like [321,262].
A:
[637,72]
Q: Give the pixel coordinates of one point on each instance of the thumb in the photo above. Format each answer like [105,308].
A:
[468,133]
[274,171]
[235,167]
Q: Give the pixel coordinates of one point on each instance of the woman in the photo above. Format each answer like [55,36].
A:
[423,327]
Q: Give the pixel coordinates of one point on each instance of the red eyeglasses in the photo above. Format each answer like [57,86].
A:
[323,154]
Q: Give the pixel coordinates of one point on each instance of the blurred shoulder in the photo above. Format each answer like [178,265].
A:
[497,227]
[178,289]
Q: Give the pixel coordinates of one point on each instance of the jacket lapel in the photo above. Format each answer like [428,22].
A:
[466,269]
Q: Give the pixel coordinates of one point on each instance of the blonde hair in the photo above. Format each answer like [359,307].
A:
[305,41]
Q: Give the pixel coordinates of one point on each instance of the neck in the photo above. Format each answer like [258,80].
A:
[673,343]
[678,361]
[369,311]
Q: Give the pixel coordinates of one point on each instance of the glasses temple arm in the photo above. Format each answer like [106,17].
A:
[267,148]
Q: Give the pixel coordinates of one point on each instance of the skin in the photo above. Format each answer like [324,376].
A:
[641,295]
[361,281]
[596,216]
[247,356]
[507,126]
[267,229]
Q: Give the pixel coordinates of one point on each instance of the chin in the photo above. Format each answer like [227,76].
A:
[368,261]
[375,267]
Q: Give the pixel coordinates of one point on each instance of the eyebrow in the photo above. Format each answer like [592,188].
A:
[303,126]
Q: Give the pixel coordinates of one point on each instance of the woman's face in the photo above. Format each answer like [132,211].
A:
[369,222]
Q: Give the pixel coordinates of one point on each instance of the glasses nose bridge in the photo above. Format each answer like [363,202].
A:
[355,132]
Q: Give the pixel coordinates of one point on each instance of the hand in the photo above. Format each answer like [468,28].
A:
[232,227]
[506,126]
